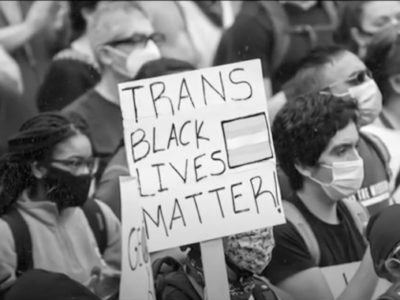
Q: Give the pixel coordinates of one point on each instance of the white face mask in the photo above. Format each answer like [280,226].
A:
[347,179]
[369,99]
[136,59]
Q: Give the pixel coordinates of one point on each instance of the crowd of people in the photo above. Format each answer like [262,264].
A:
[331,72]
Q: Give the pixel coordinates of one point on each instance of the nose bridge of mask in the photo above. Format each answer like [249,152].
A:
[340,168]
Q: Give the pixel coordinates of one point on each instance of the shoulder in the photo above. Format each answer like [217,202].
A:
[68,56]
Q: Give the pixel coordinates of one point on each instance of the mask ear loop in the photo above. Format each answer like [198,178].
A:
[322,183]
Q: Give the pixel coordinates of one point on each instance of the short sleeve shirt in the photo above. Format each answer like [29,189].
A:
[339,244]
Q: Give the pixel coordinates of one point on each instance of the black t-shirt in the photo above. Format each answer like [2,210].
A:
[104,120]
[252,36]
[374,193]
[339,244]
[65,81]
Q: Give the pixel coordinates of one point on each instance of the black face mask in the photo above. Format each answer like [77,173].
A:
[66,189]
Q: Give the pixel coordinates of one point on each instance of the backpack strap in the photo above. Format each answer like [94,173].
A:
[280,24]
[177,279]
[22,240]
[97,223]
[380,149]
[294,216]
[360,215]
[167,260]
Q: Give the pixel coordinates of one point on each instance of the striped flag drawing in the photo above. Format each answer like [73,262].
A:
[247,140]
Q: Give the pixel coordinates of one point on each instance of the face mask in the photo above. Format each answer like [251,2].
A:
[347,179]
[136,59]
[369,99]
[251,250]
[65,189]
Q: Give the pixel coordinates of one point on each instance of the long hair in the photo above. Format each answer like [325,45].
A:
[34,142]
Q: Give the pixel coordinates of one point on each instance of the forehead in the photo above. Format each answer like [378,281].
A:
[373,10]
[342,67]
[348,135]
[76,146]
[122,24]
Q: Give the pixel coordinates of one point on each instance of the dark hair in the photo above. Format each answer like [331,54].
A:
[383,58]
[303,129]
[351,17]
[308,77]
[35,142]
[78,23]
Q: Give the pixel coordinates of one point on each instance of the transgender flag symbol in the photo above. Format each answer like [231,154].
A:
[247,140]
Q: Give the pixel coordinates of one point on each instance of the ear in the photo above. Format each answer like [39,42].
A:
[104,55]
[38,171]
[395,83]
[303,170]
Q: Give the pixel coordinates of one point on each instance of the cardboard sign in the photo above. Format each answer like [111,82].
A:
[199,144]
[339,276]
[137,278]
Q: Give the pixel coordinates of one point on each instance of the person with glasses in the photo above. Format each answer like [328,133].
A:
[122,39]
[360,20]
[316,140]
[45,180]
[384,239]
[335,70]
[383,59]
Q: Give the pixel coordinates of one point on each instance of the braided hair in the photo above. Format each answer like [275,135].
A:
[34,142]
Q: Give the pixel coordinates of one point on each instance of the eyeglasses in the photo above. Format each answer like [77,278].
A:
[79,165]
[357,79]
[140,40]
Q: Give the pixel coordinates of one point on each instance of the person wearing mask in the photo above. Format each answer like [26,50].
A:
[383,60]
[122,39]
[385,248]
[74,70]
[279,33]
[45,179]
[108,187]
[316,138]
[246,255]
[335,70]
[360,20]
[32,32]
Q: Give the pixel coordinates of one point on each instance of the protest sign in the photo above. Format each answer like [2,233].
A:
[339,276]
[137,278]
[199,144]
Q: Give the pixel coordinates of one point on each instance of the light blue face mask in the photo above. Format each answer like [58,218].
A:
[347,178]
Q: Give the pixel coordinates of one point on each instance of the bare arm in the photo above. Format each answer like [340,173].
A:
[40,15]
